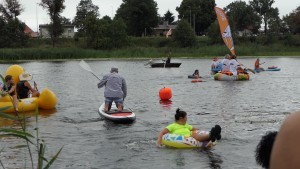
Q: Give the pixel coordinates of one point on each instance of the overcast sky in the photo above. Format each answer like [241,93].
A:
[34,14]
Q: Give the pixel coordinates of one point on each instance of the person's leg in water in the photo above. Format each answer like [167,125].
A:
[214,134]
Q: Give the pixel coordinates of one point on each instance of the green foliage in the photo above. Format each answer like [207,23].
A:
[85,9]
[11,9]
[169,17]
[265,9]
[292,21]
[54,8]
[12,33]
[203,11]
[241,16]
[138,15]
[184,35]
[105,33]
[28,138]
[214,34]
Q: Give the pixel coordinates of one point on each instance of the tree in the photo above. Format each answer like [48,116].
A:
[274,21]
[169,17]
[241,16]
[184,34]
[11,9]
[139,16]
[85,9]
[106,33]
[54,8]
[265,9]
[11,28]
[292,21]
[200,11]
[214,34]
[66,21]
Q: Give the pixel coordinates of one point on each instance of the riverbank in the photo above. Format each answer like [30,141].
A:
[144,52]
[148,47]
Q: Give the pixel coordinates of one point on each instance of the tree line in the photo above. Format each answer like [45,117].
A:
[139,17]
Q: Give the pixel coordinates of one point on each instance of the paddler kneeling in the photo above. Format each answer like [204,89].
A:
[115,89]
[181,127]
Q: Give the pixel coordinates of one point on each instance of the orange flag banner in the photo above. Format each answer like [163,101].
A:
[225,29]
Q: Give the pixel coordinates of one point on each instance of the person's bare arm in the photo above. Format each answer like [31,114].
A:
[27,84]
[160,135]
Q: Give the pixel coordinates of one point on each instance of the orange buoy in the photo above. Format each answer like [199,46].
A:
[196,80]
[165,93]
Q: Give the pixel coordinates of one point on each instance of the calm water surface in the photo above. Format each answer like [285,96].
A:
[245,110]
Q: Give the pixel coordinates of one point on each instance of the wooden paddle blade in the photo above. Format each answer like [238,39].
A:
[251,70]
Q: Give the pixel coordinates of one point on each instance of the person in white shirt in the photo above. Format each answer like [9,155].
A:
[215,63]
[233,65]
[225,63]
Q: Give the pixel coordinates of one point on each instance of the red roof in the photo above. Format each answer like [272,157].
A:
[30,32]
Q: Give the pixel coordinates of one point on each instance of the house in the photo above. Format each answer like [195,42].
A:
[69,31]
[163,29]
[30,32]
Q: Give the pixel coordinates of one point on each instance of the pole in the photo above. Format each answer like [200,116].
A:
[37,19]
[195,24]
[190,15]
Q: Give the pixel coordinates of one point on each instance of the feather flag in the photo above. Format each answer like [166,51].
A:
[225,29]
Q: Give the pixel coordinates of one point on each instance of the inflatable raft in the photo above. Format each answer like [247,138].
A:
[46,100]
[224,77]
[179,141]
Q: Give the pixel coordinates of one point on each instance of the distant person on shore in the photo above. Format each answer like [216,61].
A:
[24,89]
[115,89]
[168,60]
[257,65]
[181,127]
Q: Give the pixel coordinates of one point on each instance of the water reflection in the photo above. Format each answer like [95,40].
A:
[166,104]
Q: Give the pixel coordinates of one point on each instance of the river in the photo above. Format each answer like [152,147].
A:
[246,110]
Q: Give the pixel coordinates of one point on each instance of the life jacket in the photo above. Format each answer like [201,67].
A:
[22,90]
[227,73]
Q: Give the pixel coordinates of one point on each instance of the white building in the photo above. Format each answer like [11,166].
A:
[69,31]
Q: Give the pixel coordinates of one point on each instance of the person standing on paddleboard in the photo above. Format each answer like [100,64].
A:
[115,89]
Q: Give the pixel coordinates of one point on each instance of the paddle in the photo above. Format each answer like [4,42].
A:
[87,67]
[251,70]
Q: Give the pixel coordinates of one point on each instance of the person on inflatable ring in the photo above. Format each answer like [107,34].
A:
[181,127]
[10,88]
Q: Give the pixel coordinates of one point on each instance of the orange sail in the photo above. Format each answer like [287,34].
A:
[225,29]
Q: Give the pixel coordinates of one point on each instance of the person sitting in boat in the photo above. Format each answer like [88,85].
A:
[257,65]
[115,89]
[10,88]
[196,74]
[240,70]
[216,63]
[234,64]
[225,64]
[168,60]
[24,89]
[181,127]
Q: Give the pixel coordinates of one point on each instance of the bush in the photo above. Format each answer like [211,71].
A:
[184,35]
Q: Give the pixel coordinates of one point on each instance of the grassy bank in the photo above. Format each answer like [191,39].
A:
[150,47]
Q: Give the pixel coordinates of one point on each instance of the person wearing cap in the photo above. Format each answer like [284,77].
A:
[24,88]
[115,89]
[233,65]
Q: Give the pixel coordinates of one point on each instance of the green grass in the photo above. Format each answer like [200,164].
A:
[148,47]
